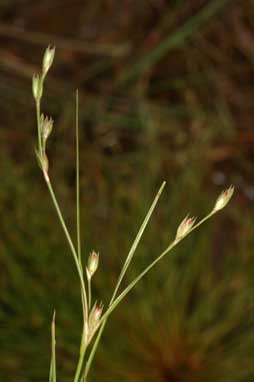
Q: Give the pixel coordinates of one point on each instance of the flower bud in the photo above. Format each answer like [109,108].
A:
[97,313]
[92,265]
[36,87]
[47,59]
[184,227]
[94,320]
[46,125]
[42,161]
[223,199]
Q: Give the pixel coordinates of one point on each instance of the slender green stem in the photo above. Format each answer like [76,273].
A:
[136,241]
[59,213]
[114,304]
[136,280]
[38,119]
[77,182]
[76,254]
[89,293]
[78,196]
[80,361]
[84,302]
[146,270]
[94,348]
[52,374]
[73,251]
[123,272]
[80,273]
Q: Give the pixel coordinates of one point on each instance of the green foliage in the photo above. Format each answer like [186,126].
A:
[197,304]
[180,120]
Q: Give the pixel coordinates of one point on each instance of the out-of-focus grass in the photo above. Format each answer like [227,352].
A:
[191,321]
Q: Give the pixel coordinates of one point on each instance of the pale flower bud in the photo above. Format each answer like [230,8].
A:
[94,320]
[37,87]
[47,59]
[184,227]
[223,199]
[92,265]
[42,161]
[46,125]
[97,313]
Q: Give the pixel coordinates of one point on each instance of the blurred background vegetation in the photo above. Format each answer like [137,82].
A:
[166,93]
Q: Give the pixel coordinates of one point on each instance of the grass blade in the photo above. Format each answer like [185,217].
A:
[52,373]
[77,181]
[78,199]
[136,241]
[147,269]
[122,273]
[174,40]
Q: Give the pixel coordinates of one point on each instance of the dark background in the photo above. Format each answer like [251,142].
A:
[166,93]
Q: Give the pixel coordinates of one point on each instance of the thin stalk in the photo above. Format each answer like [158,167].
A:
[80,273]
[146,270]
[122,274]
[80,364]
[38,119]
[136,241]
[73,251]
[89,292]
[76,255]
[78,195]
[52,374]
[114,304]
[85,308]
[77,182]
[82,352]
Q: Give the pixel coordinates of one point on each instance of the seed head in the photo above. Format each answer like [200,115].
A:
[42,161]
[94,320]
[98,312]
[223,199]
[37,87]
[46,125]
[92,265]
[95,315]
[47,60]
[185,227]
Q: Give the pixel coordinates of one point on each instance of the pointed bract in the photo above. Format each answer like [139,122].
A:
[92,265]
[48,59]
[42,160]
[37,87]
[185,227]
[223,199]
[46,126]
[94,320]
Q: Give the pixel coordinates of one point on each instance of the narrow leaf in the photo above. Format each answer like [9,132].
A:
[137,240]
[52,373]
[121,276]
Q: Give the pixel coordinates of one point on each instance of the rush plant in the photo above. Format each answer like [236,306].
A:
[95,315]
